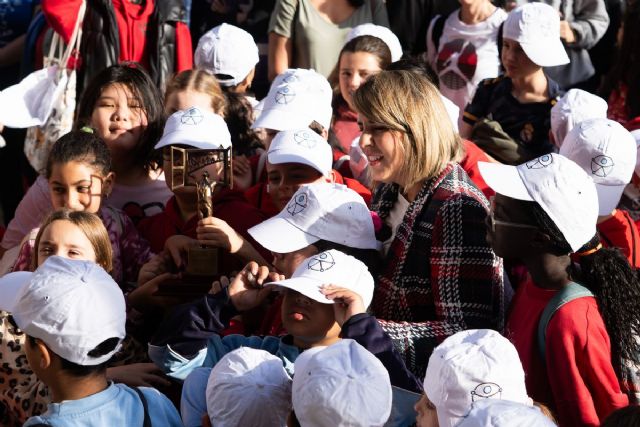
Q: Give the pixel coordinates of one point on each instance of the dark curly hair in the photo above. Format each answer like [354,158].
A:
[606,273]
[239,117]
[79,145]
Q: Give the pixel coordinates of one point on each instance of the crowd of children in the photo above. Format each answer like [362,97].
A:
[440,241]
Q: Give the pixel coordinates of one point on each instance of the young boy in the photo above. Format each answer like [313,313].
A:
[73,314]
[607,152]
[195,128]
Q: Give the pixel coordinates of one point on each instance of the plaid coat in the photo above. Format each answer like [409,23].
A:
[440,275]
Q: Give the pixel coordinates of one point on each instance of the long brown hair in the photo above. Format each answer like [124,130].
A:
[198,81]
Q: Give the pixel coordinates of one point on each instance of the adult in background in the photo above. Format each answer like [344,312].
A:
[310,33]
[439,275]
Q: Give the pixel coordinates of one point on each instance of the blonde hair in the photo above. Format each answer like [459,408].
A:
[92,227]
[410,104]
[198,81]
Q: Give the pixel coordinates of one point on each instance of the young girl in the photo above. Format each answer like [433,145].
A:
[124,107]
[360,58]
[80,177]
[516,106]
[581,363]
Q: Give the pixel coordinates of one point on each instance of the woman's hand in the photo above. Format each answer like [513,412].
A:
[247,289]
[215,232]
[138,375]
[346,302]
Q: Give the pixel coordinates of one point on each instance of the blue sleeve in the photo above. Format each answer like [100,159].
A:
[161,410]
[366,331]
[193,402]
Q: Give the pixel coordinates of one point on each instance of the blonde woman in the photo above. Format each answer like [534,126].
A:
[440,275]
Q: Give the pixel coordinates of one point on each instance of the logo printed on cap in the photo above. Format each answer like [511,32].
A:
[540,163]
[192,116]
[601,165]
[290,78]
[321,262]
[305,139]
[486,391]
[298,204]
[285,95]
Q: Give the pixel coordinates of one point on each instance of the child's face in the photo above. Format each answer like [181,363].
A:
[185,99]
[287,263]
[310,322]
[355,69]
[427,415]
[78,186]
[510,228]
[286,178]
[215,172]
[65,239]
[516,62]
[118,119]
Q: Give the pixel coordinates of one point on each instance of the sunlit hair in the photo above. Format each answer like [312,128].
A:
[92,227]
[410,105]
[198,81]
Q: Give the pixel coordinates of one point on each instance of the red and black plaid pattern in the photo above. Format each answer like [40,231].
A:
[440,275]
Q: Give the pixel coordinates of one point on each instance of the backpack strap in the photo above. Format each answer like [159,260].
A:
[145,407]
[436,33]
[567,294]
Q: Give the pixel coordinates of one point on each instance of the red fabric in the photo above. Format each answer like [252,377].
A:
[345,126]
[621,232]
[341,163]
[353,184]
[578,381]
[184,48]
[633,124]
[228,205]
[617,101]
[469,163]
[61,15]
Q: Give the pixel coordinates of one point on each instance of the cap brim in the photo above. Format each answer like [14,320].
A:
[504,179]
[11,286]
[307,287]
[277,157]
[278,119]
[608,197]
[546,54]
[179,138]
[279,235]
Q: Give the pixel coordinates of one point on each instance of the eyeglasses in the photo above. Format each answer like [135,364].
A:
[495,221]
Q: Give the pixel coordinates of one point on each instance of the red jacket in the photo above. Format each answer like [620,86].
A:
[620,231]
[577,380]
[228,205]
[469,163]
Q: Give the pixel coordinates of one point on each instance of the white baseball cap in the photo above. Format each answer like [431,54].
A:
[536,26]
[330,267]
[341,385]
[383,33]
[196,128]
[301,146]
[72,306]
[248,387]
[636,135]
[563,190]
[575,106]
[470,366]
[321,211]
[227,50]
[503,413]
[608,153]
[296,98]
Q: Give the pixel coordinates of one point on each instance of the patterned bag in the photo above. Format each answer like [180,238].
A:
[40,139]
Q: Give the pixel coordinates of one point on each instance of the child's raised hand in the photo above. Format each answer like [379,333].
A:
[157,265]
[144,296]
[346,302]
[215,232]
[247,289]
[177,246]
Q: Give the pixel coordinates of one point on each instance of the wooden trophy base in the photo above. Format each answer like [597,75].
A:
[201,271]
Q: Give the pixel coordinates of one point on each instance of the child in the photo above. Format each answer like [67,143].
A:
[69,354]
[341,385]
[467,367]
[124,107]
[574,107]
[520,101]
[544,211]
[607,152]
[196,128]
[80,177]
[248,387]
[296,157]
[194,88]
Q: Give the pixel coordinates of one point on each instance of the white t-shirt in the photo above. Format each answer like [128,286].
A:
[396,215]
[467,54]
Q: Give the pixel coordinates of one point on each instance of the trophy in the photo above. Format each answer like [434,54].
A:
[191,168]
